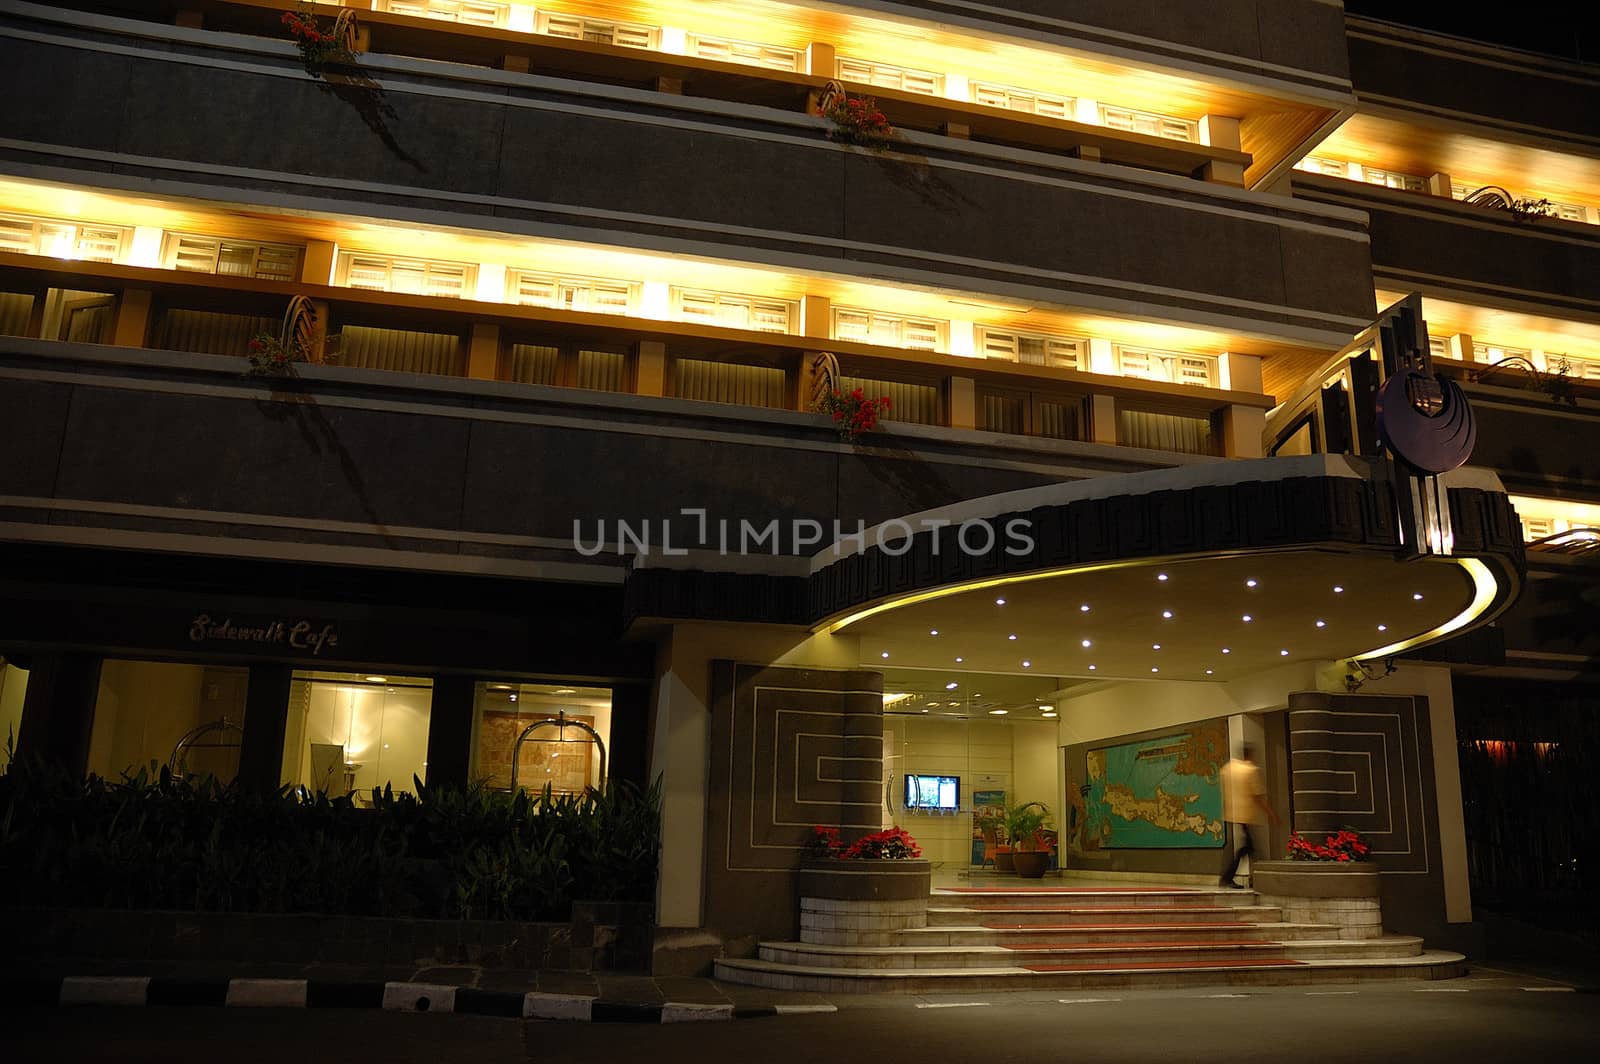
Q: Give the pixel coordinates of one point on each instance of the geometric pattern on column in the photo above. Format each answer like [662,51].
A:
[802,747]
[1356,762]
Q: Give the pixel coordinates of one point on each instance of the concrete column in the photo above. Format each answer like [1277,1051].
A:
[1242,429]
[961,397]
[650,373]
[679,748]
[1242,373]
[959,130]
[816,317]
[266,719]
[1439,185]
[450,732]
[132,324]
[821,60]
[483,352]
[1437,685]
[1102,419]
[317,265]
[1460,346]
[58,709]
[1220,131]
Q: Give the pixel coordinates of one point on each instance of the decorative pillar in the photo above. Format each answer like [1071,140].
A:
[132,325]
[650,368]
[483,352]
[1102,419]
[961,397]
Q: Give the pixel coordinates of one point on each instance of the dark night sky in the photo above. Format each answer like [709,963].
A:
[1569,30]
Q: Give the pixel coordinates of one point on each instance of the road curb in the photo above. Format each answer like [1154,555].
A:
[180,992]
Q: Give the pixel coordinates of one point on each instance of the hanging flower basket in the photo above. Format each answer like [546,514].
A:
[322,43]
[857,120]
[852,412]
[270,358]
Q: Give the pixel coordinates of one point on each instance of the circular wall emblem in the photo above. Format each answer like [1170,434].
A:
[1426,421]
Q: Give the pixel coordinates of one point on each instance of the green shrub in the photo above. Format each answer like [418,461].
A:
[152,842]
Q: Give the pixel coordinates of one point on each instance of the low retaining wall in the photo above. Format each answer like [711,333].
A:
[862,903]
[602,936]
[1319,892]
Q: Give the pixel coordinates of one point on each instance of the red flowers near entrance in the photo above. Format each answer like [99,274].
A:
[1342,845]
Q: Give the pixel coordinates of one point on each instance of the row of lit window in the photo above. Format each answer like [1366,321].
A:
[1570,212]
[1494,353]
[1543,518]
[776,57]
[524,287]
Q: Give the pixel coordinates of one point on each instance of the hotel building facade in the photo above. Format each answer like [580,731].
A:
[571,275]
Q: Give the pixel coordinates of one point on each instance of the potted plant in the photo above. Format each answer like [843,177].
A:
[852,412]
[1334,881]
[1027,826]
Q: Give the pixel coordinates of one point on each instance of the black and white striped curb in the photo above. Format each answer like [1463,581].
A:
[396,997]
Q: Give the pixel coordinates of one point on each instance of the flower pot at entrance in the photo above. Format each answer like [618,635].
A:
[1031,864]
[1342,893]
[1002,860]
[862,903]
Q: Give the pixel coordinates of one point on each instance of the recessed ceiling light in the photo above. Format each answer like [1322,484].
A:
[503,687]
[1161,576]
[1249,583]
[1337,589]
[566,691]
[1084,608]
[951,686]
[1322,624]
[1417,597]
[513,698]
[1155,646]
[885,653]
[1166,615]
[376,679]
[1050,714]
[1027,664]
[1283,653]
[933,703]
[998,712]
[1383,628]
[1247,618]
[953,705]
[1087,644]
[933,631]
[1209,671]
[1048,709]
[926,710]
[999,602]
[960,660]
[1225,650]
[1093,667]
[1155,670]
[1012,636]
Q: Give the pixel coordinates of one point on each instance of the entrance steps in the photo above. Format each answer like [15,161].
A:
[1038,938]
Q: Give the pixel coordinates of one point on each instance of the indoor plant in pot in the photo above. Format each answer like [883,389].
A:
[1026,827]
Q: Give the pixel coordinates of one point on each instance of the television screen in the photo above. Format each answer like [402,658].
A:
[933,792]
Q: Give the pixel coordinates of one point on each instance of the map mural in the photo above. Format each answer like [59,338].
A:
[1163,793]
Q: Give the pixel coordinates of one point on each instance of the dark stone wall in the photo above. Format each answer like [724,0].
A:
[814,740]
[771,174]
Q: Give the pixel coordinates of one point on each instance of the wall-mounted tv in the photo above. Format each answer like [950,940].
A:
[933,793]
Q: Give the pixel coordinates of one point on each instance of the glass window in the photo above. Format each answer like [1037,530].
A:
[1198,370]
[149,714]
[1013,99]
[557,751]
[745,53]
[885,76]
[1149,124]
[348,732]
[62,238]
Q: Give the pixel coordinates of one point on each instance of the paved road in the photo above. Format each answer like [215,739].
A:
[1489,1017]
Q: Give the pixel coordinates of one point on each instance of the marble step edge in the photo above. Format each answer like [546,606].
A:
[1283,929]
[1313,946]
[1263,913]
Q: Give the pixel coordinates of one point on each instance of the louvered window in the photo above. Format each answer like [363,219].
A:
[891,77]
[1582,369]
[1438,347]
[62,239]
[917,404]
[234,258]
[595,294]
[599,31]
[735,311]
[1197,370]
[745,53]
[470,12]
[1393,179]
[889,330]
[1569,212]
[729,382]
[1492,353]
[1035,103]
[1538,528]
[1311,164]
[1033,349]
[425,277]
[1149,124]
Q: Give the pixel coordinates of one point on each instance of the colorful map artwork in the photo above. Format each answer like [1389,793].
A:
[1161,793]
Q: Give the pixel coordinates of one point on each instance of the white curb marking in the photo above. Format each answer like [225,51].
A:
[536,1006]
[1551,989]
[1441,990]
[796,1010]
[267,993]
[104,990]
[691,1013]
[1227,995]
[1084,1001]
[419,997]
[952,1005]
[1330,993]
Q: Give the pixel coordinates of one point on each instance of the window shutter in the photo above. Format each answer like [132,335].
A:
[381,273]
[48,236]
[1537,528]
[1021,100]
[852,325]
[745,53]
[890,77]
[234,258]
[470,12]
[1196,371]
[1148,124]
[921,335]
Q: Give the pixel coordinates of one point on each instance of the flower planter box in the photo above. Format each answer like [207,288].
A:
[1343,893]
[862,903]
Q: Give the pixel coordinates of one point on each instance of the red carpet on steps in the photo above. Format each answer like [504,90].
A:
[1129,947]
[1076,890]
[993,926]
[1153,966]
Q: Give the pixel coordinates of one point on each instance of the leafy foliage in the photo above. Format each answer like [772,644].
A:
[152,842]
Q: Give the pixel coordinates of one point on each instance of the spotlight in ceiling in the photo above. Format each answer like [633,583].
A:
[1225,650]
[1283,653]
[1000,602]
[933,631]
[1087,644]
[1093,667]
[1027,664]
[1338,589]
[998,712]
[885,653]
[1249,583]
[960,660]
[1155,646]
[1161,576]
[1051,715]
[1322,624]
[1166,615]
[376,679]
[1383,628]
[1154,669]
[951,686]
[1210,671]
[566,691]
[1417,597]
[1012,637]
[1048,709]
[1247,618]
[1084,608]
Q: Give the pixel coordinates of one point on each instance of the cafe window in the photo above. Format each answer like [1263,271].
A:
[560,749]
[151,715]
[348,733]
[62,238]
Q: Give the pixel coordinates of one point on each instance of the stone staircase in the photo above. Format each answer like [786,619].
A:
[1061,938]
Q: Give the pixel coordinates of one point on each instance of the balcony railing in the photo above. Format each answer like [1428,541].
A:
[138,307]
